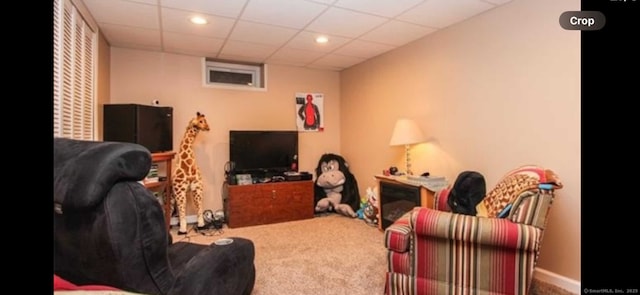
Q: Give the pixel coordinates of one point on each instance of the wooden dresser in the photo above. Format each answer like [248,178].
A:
[266,203]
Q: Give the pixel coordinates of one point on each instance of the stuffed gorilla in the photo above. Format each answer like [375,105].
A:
[336,189]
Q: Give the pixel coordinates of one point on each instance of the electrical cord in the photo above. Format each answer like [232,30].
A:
[187,237]
[211,232]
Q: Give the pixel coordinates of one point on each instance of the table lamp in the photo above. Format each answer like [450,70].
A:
[406,132]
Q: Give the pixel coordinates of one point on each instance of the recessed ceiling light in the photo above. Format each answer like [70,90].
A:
[322,39]
[198,20]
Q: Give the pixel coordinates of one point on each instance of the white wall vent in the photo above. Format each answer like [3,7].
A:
[234,75]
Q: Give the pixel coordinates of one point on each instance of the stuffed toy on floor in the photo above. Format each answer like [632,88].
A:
[336,188]
[369,207]
[370,210]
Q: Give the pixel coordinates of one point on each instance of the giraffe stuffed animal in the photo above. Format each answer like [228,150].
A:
[187,178]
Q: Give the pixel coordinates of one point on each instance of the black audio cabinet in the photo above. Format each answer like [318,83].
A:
[149,126]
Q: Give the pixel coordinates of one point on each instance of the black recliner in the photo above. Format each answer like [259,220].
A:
[110,230]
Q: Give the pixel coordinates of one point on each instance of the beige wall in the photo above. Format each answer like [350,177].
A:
[103,85]
[176,81]
[492,93]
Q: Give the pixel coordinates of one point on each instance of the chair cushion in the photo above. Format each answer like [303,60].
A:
[481,210]
[516,182]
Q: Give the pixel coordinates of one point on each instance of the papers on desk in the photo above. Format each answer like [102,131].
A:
[433,183]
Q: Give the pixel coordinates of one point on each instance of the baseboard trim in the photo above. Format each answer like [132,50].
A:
[190,219]
[555,279]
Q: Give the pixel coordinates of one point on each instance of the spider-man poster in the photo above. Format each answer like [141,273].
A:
[309,111]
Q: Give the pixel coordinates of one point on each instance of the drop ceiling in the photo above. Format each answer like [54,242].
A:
[279,31]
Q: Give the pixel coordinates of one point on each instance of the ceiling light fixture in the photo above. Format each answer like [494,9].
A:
[198,20]
[322,39]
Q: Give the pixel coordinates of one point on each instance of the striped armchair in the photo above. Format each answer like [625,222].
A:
[434,251]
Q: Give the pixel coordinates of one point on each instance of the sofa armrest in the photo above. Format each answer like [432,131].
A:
[532,208]
[441,198]
[397,236]
[499,232]
[84,171]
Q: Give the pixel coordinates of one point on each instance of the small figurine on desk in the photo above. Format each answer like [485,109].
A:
[393,170]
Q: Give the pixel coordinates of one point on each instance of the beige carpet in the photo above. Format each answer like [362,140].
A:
[329,254]
[326,255]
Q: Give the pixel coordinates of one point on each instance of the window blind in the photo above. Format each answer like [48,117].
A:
[74,49]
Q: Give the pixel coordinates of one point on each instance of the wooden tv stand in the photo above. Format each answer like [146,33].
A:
[266,203]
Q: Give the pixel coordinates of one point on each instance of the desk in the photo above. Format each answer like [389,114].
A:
[165,185]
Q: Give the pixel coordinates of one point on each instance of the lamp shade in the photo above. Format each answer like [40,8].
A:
[406,132]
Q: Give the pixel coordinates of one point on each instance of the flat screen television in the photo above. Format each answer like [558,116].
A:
[263,152]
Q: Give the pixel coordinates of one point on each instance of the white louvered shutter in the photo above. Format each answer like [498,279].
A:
[74,47]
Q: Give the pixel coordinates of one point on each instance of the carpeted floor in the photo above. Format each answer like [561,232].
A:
[543,288]
[329,255]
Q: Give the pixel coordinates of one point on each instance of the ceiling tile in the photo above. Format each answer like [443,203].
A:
[363,49]
[347,23]
[177,21]
[191,44]
[123,36]
[263,34]
[397,33]
[498,2]
[443,13]
[306,40]
[118,12]
[379,7]
[150,2]
[215,7]
[328,2]
[294,56]
[337,61]
[246,49]
[288,13]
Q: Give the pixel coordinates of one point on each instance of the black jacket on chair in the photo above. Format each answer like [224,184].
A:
[110,230]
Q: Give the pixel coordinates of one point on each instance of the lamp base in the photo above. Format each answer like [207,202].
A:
[408,159]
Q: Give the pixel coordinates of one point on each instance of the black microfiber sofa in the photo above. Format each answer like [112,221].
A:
[110,230]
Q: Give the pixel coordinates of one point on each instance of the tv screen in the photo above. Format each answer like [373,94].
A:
[263,152]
